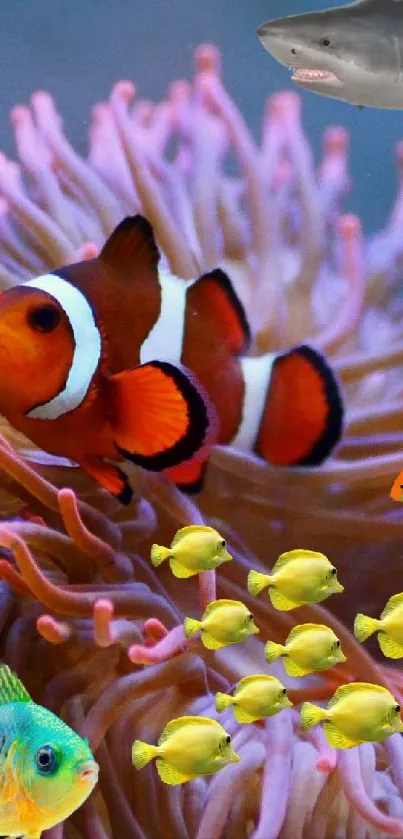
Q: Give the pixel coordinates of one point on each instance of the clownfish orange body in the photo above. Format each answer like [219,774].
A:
[114,358]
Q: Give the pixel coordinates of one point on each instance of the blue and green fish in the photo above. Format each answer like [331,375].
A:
[46,770]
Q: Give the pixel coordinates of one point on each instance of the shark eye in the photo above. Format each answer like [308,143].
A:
[46,760]
[293,51]
[44,318]
[325,42]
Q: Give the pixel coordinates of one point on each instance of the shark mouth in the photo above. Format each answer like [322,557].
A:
[313,75]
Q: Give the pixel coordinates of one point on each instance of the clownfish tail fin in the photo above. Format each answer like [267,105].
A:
[302,419]
[160,416]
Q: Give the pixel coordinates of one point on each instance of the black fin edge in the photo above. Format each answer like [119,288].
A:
[125,496]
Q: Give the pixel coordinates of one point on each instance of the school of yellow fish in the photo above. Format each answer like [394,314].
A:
[57,759]
[358,712]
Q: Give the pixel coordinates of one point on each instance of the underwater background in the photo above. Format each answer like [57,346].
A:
[78,49]
[314,249]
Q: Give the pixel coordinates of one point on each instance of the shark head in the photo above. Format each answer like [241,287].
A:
[350,52]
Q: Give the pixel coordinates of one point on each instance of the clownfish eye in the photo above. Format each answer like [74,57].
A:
[46,760]
[44,318]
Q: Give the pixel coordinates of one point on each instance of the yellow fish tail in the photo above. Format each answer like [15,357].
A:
[311,715]
[364,627]
[222,701]
[158,554]
[191,626]
[273,651]
[142,753]
[257,582]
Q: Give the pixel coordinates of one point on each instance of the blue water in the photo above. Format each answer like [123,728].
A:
[79,48]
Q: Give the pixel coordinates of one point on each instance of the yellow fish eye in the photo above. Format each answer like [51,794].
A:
[333,572]
[228,739]
[397,709]
[284,691]
[223,543]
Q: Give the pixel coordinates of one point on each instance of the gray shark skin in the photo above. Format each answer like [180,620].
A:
[353,53]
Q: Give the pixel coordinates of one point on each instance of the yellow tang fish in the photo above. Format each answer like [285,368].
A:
[255,697]
[389,627]
[309,647]
[356,713]
[224,622]
[298,577]
[46,770]
[193,549]
[188,747]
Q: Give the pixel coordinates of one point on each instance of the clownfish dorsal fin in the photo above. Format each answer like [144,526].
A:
[214,298]
[11,689]
[131,249]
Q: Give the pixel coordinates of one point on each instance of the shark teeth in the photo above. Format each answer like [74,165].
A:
[307,74]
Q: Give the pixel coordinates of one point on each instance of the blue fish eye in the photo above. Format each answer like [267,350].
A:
[46,760]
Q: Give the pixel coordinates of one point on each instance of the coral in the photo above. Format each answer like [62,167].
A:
[82,612]
[91,628]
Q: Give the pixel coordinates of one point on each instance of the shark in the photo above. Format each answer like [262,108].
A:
[353,52]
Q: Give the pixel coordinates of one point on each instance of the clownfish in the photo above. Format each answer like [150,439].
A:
[114,358]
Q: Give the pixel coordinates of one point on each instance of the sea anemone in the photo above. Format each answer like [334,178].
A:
[91,628]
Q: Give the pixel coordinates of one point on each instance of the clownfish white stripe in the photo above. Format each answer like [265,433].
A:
[256,375]
[165,341]
[87,350]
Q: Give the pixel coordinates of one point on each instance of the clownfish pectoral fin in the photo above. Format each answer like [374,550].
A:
[188,476]
[131,250]
[109,477]
[160,416]
[303,417]
[213,297]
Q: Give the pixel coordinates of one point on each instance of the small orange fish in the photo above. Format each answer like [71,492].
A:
[70,372]
[396,492]
[79,376]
